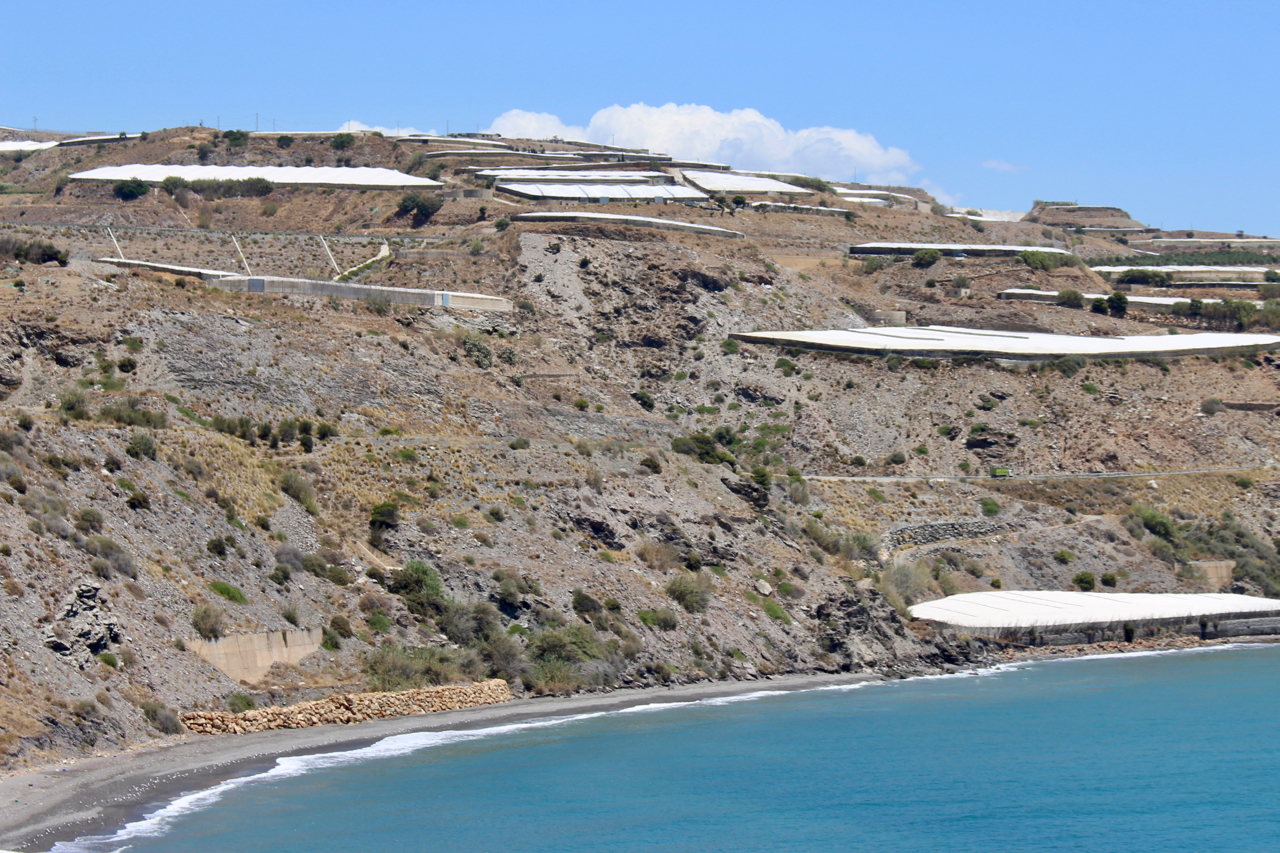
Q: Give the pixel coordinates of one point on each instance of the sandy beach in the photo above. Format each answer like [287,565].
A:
[66,801]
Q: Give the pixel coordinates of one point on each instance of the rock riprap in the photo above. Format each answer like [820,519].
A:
[351,708]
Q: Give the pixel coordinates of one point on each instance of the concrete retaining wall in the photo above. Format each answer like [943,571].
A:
[247,657]
[347,290]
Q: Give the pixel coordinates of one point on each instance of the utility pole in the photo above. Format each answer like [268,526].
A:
[35,123]
[255,122]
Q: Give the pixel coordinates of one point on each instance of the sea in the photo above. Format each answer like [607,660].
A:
[1176,751]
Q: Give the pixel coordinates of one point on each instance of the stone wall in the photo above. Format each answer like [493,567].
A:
[351,708]
[247,657]
[938,531]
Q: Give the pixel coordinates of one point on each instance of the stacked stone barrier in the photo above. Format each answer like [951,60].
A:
[351,708]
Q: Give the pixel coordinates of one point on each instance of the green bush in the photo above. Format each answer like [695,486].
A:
[227,591]
[109,659]
[131,189]
[897,458]
[1148,278]
[1084,581]
[1070,299]
[379,623]
[284,141]
[238,703]
[1099,305]
[691,590]
[990,507]
[1064,557]
[423,207]
[1118,304]
[342,141]
[1047,261]
[925,258]
[645,399]
[236,138]
[208,621]
[519,443]
[1109,579]
[761,476]
[141,446]
[702,447]
[585,603]
[300,489]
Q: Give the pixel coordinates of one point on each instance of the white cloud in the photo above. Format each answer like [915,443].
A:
[744,139]
[1000,166]
[940,194]
[404,130]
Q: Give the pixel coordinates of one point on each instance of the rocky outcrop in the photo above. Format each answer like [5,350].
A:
[861,631]
[755,495]
[81,628]
[351,708]
[938,531]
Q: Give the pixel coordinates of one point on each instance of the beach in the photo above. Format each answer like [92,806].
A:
[65,801]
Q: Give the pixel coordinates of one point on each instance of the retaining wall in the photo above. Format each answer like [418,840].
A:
[938,531]
[347,290]
[351,708]
[247,657]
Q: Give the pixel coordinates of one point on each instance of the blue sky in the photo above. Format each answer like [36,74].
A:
[1167,110]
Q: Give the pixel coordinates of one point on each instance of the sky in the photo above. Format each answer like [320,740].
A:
[1167,110]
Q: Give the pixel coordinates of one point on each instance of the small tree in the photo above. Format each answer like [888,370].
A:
[384,517]
[342,141]
[1099,305]
[130,189]
[423,207]
[284,141]
[926,258]
[1118,304]
[1085,581]
[1071,299]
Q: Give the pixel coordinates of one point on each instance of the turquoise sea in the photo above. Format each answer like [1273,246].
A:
[1144,752]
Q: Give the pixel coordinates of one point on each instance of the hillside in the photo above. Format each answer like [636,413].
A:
[594,491]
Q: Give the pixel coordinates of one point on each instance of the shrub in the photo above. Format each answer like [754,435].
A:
[519,443]
[990,507]
[1070,299]
[284,141]
[775,611]
[730,346]
[573,643]
[584,603]
[236,138]
[1150,278]
[423,207]
[342,627]
[109,659]
[342,141]
[1064,557]
[1084,581]
[502,224]
[644,398]
[331,641]
[208,621]
[131,189]
[1047,261]
[227,591]
[379,623]
[238,703]
[925,258]
[141,445]
[138,500]
[690,590]
[217,546]
[1109,579]
[896,458]
[300,489]
[761,476]
[702,447]
[1118,304]
[1212,406]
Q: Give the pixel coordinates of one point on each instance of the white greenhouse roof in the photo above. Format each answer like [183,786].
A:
[883,194]
[1047,295]
[624,219]
[321,176]
[1054,609]
[948,340]
[1235,241]
[1184,268]
[733,182]
[26,145]
[595,192]
[910,248]
[557,176]
[987,215]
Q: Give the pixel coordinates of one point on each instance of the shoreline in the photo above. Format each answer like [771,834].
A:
[61,802]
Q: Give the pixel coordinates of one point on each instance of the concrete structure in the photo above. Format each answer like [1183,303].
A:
[810,209]
[735,183]
[1189,272]
[620,219]
[600,192]
[986,215]
[1203,241]
[1159,304]
[248,657]
[948,341]
[1064,617]
[450,140]
[480,153]
[955,249]
[279,285]
[359,177]
[347,290]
